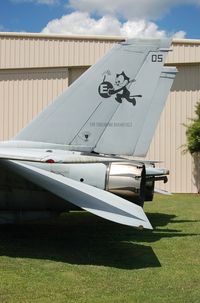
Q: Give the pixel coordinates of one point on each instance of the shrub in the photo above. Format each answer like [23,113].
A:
[193,133]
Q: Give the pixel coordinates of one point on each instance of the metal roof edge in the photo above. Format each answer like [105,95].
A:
[83,37]
[186,41]
[61,36]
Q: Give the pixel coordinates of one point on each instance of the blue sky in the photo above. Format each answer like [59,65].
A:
[183,17]
[126,17]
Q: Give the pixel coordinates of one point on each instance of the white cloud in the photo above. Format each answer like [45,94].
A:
[141,28]
[179,35]
[81,23]
[129,9]
[47,2]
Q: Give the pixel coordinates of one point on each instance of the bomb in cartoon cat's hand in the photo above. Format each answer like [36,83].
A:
[121,90]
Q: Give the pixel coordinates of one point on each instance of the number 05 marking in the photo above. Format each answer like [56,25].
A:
[157,58]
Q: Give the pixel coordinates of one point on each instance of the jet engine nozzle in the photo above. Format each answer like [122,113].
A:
[127,180]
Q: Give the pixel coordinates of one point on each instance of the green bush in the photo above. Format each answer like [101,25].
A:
[193,133]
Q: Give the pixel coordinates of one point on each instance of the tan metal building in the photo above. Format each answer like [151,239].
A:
[35,68]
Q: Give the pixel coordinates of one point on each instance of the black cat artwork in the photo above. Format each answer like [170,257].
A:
[122,81]
[121,90]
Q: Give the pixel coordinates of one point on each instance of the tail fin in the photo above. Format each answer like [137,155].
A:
[118,88]
[132,129]
[158,102]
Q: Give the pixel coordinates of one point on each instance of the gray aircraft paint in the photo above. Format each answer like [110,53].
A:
[71,118]
[124,130]
[61,121]
[158,102]
[90,198]
[107,93]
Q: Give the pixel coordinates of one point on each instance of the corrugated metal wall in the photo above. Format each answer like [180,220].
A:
[24,93]
[169,139]
[184,52]
[36,68]
[29,50]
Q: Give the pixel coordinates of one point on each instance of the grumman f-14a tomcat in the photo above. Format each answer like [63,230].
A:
[67,158]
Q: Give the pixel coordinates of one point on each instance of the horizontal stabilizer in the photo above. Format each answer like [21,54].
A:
[92,199]
[162,192]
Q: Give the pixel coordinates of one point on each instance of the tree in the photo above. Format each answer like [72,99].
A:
[193,133]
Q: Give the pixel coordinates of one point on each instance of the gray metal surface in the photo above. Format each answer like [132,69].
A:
[94,200]
[158,102]
[125,127]
[127,180]
[81,114]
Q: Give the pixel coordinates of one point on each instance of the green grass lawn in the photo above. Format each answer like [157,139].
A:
[82,258]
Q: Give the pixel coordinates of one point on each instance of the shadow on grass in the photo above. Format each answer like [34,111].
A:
[81,238]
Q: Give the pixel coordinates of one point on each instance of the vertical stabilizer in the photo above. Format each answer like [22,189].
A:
[133,123]
[158,102]
[115,91]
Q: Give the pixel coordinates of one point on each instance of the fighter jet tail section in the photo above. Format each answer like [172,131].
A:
[105,108]
[132,127]
[155,109]
[90,198]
